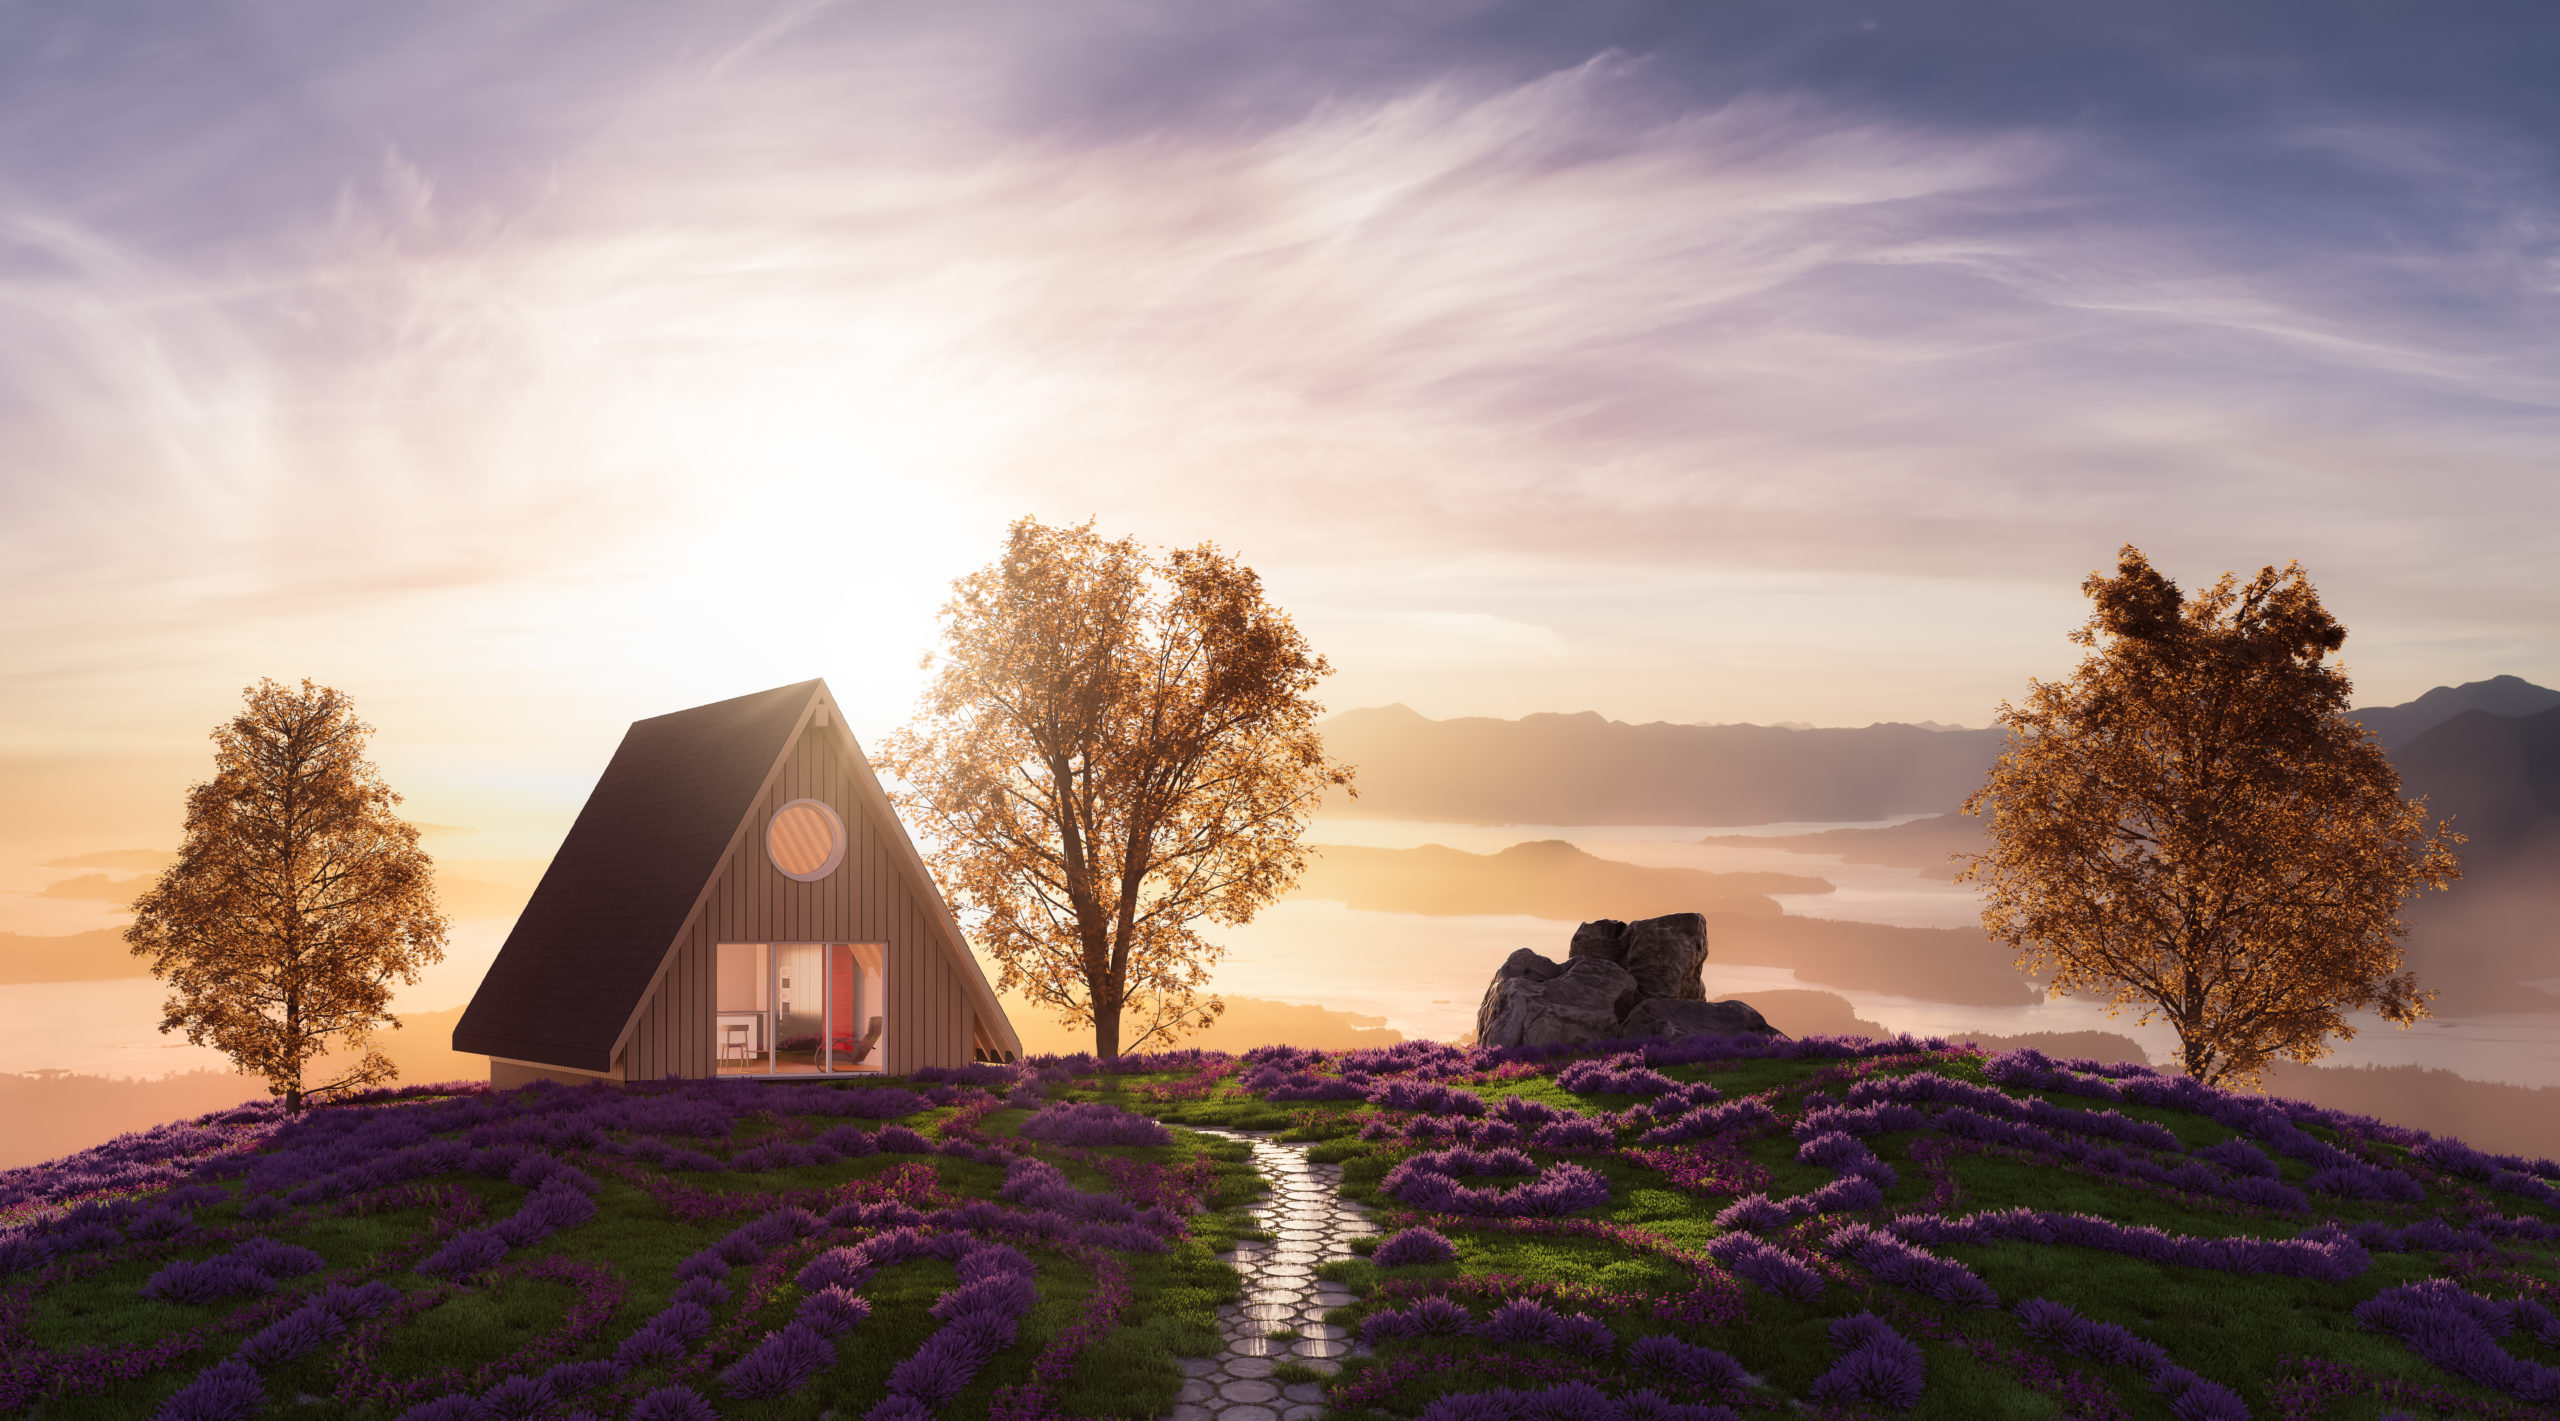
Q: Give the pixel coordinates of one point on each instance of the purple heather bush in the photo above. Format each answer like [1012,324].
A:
[466,1253]
[673,1403]
[832,1311]
[1674,1103]
[2053,1322]
[1616,1075]
[895,1407]
[1430,1182]
[2358,1180]
[212,1279]
[354,1304]
[1093,1123]
[1899,1264]
[160,1222]
[1582,1335]
[1306,1085]
[226,1391]
[1771,1268]
[1425,1097]
[645,1348]
[1519,1322]
[298,1333]
[1430,1317]
[847,1141]
[1011,1293]
[1754,1211]
[575,1378]
[1414,1245]
[706,1263]
[1573,1137]
[1858,1120]
[846,1268]
[1528,1114]
[2325,1254]
[519,1399]
[1687,1362]
[1567,1401]
[702,1292]
[687,1323]
[991,1261]
[1877,1364]
[780,1364]
[1038,1184]
[1733,1116]
[2459,1331]
[456,1407]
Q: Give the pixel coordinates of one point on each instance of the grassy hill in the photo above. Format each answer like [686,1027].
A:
[1690,1231]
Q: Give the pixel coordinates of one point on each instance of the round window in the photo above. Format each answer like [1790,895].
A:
[805,839]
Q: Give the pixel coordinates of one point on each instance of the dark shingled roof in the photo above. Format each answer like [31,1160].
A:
[609,906]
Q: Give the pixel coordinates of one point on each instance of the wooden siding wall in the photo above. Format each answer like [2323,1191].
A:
[865,900]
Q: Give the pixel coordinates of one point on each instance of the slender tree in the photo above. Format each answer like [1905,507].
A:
[298,895]
[2191,825]
[1116,746]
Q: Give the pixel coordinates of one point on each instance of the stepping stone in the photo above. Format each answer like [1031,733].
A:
[1249,1391]
[1314,1348]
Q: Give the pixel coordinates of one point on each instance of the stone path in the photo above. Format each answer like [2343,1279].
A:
[1310,1225]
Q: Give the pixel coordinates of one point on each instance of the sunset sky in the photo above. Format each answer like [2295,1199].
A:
[525,368]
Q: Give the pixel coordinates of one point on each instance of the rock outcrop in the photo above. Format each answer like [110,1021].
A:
[1618,981]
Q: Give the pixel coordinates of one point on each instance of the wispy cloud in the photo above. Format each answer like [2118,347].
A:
[522,343]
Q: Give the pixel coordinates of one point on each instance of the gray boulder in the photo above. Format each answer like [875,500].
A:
[1605,938]
[1542,1004]
[1535,966]
[1680,1016]
[1618,981]
[1667,955]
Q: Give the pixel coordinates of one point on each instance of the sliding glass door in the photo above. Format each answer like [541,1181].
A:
[799,1008]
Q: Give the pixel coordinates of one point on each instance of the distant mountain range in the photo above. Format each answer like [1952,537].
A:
[2486,755]
[1586,769]
[2396,726]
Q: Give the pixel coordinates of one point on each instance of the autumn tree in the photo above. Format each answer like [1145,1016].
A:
[1116,746]
[2191,825]
[298,895]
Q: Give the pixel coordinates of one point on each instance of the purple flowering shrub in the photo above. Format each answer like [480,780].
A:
[1090,1123]
[1414,1245]
[1667,1240]
[1430,1182]
[1877,1364]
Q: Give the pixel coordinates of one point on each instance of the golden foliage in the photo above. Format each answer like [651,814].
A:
[297,896]
[2192,824]
[1116,746]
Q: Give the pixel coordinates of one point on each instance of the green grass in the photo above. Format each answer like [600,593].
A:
[2240,1331]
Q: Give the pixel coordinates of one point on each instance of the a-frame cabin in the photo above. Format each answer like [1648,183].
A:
[737,898]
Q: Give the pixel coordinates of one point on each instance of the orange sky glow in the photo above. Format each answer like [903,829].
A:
[522,381]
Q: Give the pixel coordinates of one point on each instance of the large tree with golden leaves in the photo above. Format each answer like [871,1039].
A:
[2191,825]
[298,895]
[1116,745]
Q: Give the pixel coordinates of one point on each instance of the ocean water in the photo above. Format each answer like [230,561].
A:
[1424,975]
